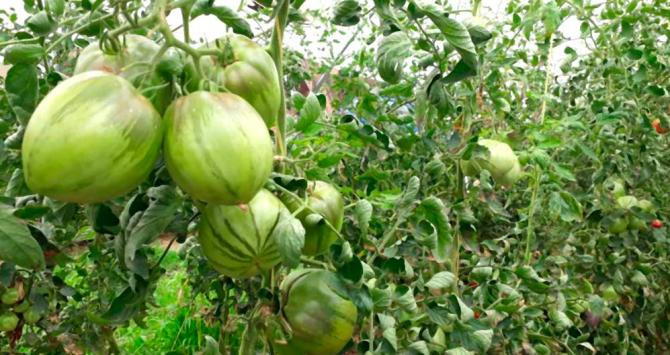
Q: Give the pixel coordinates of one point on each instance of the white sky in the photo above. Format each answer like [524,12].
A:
[209,28]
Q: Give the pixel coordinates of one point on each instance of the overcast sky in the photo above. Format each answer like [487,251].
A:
[209,28]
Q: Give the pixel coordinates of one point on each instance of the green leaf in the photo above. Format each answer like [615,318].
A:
[481,340]
[102,219]
[127,304]
[224,14]
[352,270]
[459,351]
[16,243]
[289,235]
[363,214]
[443,279]
[391,55]
[24,54]
[161,211]
[566,206]
[479,34]
[22,88]
[456,34]
[460,72]
[404,296]
[14,187]
[309,113]
[346,12]
[435,211]
[411,192]
[419,347]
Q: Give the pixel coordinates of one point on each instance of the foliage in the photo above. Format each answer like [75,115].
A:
[435,261]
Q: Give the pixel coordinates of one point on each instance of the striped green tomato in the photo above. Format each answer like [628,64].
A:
[325,200]
[502,163]
[321,315]
[250,73]
[237,240]
[217,147]
[131,62]
[92,138]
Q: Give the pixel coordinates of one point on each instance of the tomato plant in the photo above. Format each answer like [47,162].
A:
[303,177]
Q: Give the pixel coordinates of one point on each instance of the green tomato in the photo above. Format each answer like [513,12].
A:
[502,163]
[8,322]
[217,147]
[326,201]
[31,316]
[637,224]
[238,241]
[249,72]
[619,225]
[131,62]
[627,202]
[646,205]
[10,296]
[92,138]
[321,315]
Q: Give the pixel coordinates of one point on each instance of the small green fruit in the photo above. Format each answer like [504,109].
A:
[8,322]
[10,296]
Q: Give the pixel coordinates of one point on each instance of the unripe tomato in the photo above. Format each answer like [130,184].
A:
[502,163]
[656,224]
[619,225]
[217,147]
[126,63]
[92,138]
[645,205]
[237,241]
[249,73]
[637,224]
[321,315]
[10,296]
[31,316]
[324,200]
[8,322]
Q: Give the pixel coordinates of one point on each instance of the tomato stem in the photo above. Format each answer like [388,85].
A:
[277,53]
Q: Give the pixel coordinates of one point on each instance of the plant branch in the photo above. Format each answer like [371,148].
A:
[277,52]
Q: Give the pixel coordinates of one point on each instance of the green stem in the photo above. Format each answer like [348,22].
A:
[76,30]
[531,214]
[547,78]
[312,262]
[277,52]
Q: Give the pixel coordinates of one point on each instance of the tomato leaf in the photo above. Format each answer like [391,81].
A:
[346,13]
[391,55]
[309,113]
[224,14]
[443,279]
[289,234]
[22,88]
[17,245]
[153,221]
